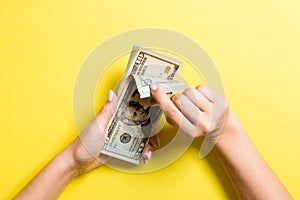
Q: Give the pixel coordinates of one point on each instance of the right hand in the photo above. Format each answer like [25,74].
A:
[197,112]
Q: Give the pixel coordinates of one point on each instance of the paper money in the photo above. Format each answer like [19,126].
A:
[137,113]
[146,62]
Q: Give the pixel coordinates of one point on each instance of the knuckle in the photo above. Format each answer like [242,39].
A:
[190,93]
[221,104]
[200,87]
[193,132]
[204,126]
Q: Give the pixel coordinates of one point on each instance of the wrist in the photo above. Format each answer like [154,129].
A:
[80,161]
[232,129]
[67,161]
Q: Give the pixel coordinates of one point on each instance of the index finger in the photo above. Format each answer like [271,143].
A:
[170,109]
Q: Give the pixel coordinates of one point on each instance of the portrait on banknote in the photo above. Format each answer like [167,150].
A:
[139,114]
[137,110]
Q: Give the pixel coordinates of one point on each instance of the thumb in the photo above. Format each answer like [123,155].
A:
[107,110]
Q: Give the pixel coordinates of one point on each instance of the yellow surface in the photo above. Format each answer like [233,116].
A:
[255,46]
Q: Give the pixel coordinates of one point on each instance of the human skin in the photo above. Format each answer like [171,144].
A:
[78,158]
[251,176]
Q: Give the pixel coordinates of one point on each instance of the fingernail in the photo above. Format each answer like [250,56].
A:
[153,86]
[148,155]
[110,95]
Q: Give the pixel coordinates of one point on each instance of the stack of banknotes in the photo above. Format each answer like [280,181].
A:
[137,113]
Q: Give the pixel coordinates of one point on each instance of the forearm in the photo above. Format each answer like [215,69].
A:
[252,177]
[52,179]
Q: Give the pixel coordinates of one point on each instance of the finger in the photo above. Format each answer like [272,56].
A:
[189,109]
[170,110]
[147,148]
[165,103]
[198,99]
[147,153]
[154,141]
[206,91]
[107,110]
[219,102]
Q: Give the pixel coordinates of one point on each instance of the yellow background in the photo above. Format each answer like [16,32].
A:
[255,46]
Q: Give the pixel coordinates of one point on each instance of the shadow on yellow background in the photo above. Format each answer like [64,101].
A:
[255,46]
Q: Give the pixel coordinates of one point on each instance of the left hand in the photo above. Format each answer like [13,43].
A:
[87,145]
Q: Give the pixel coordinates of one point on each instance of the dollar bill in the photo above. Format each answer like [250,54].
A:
[137,113]
[146,62]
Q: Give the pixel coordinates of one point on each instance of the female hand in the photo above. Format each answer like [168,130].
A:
[81,156]
[197,112]
[87,146]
